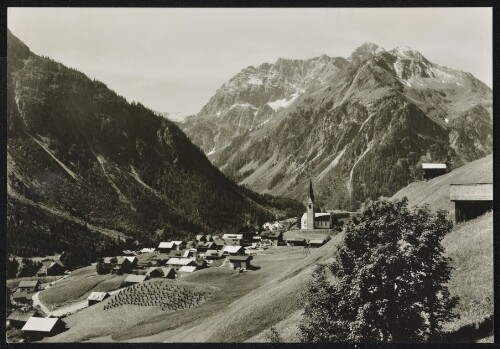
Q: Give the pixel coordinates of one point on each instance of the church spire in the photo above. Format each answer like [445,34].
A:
[311,193]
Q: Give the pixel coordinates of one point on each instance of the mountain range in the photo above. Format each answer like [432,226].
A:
[360,127]
[86,169]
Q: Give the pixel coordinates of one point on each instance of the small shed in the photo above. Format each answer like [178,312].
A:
[471,200]
[218,243]
[97,297]
[133,279]
[276,237]
[28,285]
[432,170]
[38,327]
[240,262]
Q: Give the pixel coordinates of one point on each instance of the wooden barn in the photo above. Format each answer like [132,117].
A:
[432,170]
[97,297]
[38,327]
[471,200]
[51,268]
[240,262]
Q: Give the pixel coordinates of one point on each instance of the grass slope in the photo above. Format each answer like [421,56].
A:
[436,192]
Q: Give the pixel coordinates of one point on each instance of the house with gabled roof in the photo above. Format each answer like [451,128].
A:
[177,263]
[38,327]
[28,285]
[187,269]
[51,268]
[213,255]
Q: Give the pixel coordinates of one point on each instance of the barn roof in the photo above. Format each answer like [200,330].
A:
[20,294]
[233,236]
[166,244]
[147,250]
[471,192]
[97,296]
[231,249]
[213,253]
[317,241]
[433,166]
[136,278]
[28,283]
[40,324]
[187,269]
[179,261]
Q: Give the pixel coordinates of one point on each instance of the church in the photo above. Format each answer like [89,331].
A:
[315,220]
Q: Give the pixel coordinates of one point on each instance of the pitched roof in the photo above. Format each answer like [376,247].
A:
[317,241]
[180,261]
[178,242]
[20,294]
[213,253]
[471,192]
[231,249]
[40,324]
[166,244]
[148,250]
[97,296]
[233,236]
[136,278]
[28,283]
[427,165]
[187,269]
[218,241]
[131,258]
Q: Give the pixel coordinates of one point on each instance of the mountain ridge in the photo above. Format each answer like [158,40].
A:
[368,101]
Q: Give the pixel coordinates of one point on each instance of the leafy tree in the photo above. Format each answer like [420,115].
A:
[388,282]
[12,266]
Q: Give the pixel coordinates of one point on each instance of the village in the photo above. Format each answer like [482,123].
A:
[152,276]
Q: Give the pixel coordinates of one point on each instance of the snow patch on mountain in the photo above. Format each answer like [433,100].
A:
[283,103]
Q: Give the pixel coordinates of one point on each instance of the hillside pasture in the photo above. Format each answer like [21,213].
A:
[78,286]
[436,192]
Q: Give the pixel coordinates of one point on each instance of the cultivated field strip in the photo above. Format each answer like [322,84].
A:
[159,293]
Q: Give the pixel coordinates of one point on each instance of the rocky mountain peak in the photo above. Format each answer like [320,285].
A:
[365,51]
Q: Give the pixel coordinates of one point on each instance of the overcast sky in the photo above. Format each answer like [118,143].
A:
[175,59]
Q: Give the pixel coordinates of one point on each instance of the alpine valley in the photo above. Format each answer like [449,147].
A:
[87,169]
[359,127]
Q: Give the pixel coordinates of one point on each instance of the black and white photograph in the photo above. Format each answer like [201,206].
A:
[249,175]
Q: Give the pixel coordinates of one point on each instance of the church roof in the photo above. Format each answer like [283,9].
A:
[318,215]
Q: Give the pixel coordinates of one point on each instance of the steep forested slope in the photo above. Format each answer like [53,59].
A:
[79,153]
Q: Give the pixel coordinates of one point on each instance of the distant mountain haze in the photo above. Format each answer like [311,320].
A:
[359,126]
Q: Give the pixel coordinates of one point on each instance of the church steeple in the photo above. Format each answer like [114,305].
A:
[311,193]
